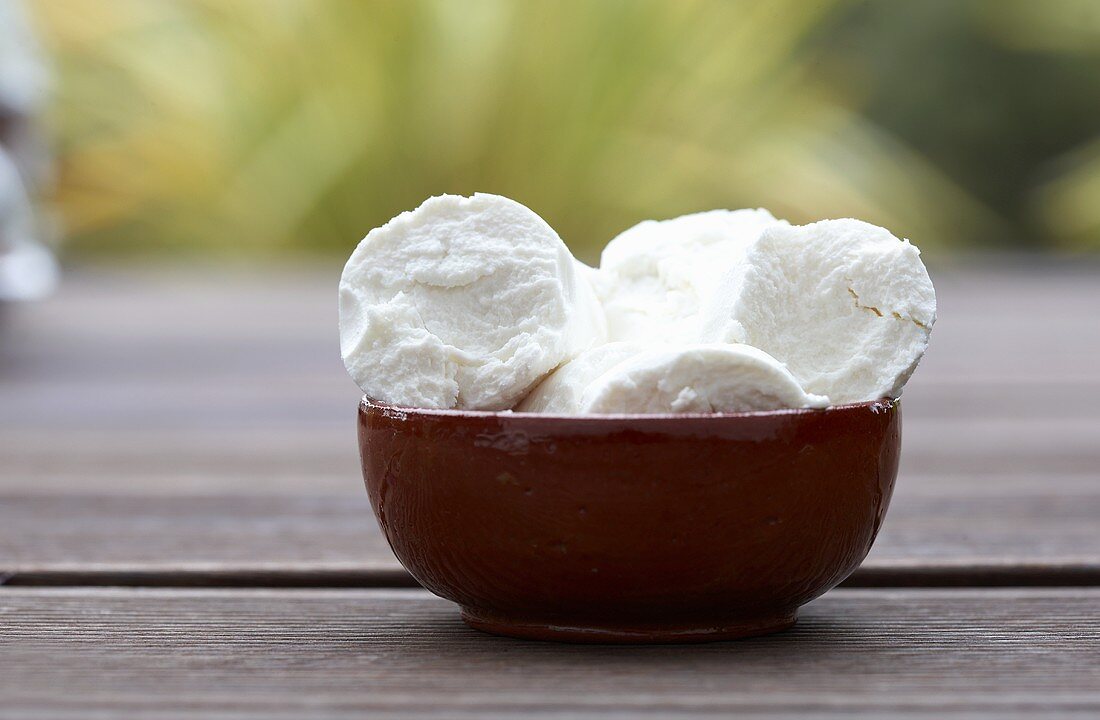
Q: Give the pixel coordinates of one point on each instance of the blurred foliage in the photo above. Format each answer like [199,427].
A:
[1001,95]
[268,125]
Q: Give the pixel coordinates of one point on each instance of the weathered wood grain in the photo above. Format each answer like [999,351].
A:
[392,653]
[201,422]
[942,524]
[261,350]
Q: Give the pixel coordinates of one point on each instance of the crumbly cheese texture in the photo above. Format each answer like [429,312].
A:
[656,277]
[463,303]
[561,392]
[707,378]
[845,305]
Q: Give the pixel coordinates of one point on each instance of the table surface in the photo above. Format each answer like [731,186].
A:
[183,529]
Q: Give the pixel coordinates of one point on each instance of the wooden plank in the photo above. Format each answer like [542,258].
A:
[947,446]
[120,344]
[391,653]
[942,524]
[220,351]
[200,422]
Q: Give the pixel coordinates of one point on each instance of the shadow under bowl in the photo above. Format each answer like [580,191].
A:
[635,529]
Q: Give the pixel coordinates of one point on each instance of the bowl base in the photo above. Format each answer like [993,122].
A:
[586,631]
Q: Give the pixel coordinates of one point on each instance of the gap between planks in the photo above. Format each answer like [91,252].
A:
[925,575]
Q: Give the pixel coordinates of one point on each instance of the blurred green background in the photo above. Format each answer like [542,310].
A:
[245,127]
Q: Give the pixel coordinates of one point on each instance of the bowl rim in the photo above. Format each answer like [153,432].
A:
[367,404]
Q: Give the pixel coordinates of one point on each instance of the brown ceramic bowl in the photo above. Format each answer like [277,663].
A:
[641,528]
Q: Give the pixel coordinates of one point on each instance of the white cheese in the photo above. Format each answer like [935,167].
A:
[463,303]
[561,391]
[844,304]
[656,276]
[696,379]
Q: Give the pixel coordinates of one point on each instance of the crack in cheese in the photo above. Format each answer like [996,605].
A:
[844,304]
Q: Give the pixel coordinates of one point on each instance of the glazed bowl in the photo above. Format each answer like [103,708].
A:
[639,528]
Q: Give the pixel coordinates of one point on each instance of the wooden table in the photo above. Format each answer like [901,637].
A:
[183,529]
